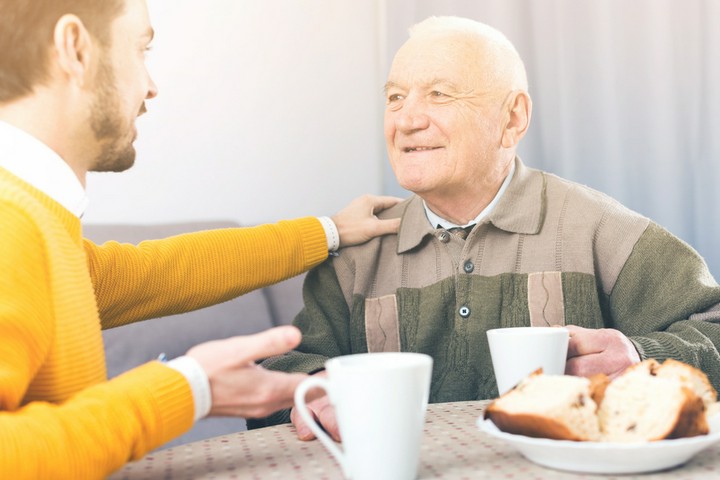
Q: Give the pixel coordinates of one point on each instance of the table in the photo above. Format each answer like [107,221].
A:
[452,448]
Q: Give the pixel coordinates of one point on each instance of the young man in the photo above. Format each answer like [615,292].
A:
[72,82]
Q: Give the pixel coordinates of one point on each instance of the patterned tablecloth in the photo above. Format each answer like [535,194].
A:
[452,448]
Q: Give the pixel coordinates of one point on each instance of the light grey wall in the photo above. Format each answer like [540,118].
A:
[267,109]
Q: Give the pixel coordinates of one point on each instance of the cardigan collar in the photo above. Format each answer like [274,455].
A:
[521,209]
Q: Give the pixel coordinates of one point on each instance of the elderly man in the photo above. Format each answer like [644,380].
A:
[530,248]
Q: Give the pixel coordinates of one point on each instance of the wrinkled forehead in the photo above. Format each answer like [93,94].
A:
[471,61]
[459,56]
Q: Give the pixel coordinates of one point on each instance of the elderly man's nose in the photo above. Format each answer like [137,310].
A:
[412,117]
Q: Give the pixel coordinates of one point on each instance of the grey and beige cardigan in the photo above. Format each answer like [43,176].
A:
[551,252]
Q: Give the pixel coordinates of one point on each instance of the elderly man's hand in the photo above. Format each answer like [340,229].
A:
[594,351]
[323,413]
[239,386]
[357,222]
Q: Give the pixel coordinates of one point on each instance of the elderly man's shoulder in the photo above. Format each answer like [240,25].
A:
[587,200]
[375,246]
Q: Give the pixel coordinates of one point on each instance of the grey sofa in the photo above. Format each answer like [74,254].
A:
[132,345]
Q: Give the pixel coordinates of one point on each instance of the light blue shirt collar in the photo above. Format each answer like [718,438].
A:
[436,220]
[34,162]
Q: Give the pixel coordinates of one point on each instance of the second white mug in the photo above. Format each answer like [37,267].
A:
[519,351]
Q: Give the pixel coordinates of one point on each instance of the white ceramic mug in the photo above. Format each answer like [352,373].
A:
[380,401]
[517,352]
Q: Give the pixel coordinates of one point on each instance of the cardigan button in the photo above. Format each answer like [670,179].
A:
[444,236]
[468,267]
[464,311]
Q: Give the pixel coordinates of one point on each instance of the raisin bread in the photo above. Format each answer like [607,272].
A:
[649,401]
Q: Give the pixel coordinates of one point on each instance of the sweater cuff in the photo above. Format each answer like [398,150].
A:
[314,240]
[650,348]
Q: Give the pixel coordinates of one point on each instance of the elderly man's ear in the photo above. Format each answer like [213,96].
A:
[518,118]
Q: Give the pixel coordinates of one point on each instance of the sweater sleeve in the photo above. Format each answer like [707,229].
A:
[96,430]
[667,302]
[186,272]
[99,429]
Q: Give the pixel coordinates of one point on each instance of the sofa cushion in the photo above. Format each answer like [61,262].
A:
[131,345]
[285,299]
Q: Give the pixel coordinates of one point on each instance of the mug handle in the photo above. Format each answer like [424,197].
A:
[300,392]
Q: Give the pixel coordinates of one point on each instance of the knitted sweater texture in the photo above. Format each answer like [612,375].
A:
[59,415]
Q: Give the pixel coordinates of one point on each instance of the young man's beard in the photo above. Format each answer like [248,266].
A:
[116,149]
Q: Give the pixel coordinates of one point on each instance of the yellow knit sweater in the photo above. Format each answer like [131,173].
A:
[59,415]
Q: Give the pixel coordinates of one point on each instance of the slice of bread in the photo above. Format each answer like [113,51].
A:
[641,406]
[559,407]
[691,377]
[649,401]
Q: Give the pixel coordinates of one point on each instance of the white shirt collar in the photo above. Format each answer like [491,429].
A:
[436,220]
[37,164]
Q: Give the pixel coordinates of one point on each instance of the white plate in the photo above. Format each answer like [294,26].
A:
[606,457]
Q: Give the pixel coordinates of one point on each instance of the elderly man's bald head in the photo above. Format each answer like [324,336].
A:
[488,49]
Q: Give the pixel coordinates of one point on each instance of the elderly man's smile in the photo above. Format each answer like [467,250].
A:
[419,149]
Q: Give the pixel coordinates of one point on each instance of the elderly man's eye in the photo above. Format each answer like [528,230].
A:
[394,97]
[436,93]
